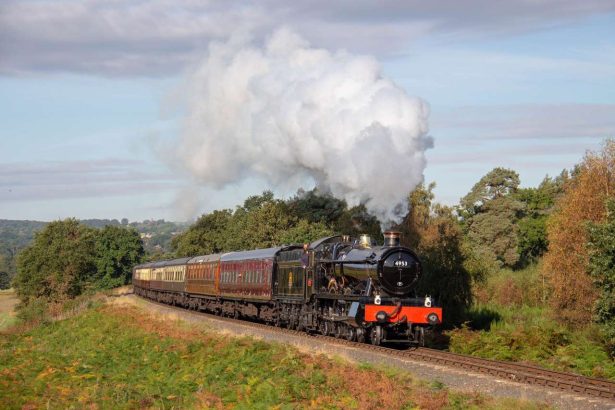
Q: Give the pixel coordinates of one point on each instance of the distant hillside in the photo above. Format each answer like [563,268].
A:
[16,235]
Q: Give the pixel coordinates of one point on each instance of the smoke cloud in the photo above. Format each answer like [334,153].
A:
[288,114]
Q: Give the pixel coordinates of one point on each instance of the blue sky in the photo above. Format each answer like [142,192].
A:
[88,90]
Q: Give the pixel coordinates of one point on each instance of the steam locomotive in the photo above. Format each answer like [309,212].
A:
[339,286]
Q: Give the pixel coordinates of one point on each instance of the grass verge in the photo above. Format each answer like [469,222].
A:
[119,357]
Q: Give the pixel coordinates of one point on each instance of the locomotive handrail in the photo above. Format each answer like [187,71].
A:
[344,261]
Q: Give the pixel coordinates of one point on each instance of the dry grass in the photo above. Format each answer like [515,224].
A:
[8,301]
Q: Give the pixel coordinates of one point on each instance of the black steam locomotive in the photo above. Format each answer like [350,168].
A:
[337,286]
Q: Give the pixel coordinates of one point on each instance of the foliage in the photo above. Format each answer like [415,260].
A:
[479,261]
[505,287]
[490,212]
[14,236]
[5,280]
[528,334]
[498,183]
[305,231]
[317,207]
[67,259]
[117,250]
[357,220]
[532,238]
[261,222]
[206,236]
[57,264]
[122,358]
[433,232]
[602,270]
[420,203]
[567,260]
[262,225]
[445,276]
[538,204]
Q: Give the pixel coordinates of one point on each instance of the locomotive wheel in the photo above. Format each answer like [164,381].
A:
[322,327]
[376,335]
[327,328]
[360,335]
[339,331]
[419,336]
[351,334]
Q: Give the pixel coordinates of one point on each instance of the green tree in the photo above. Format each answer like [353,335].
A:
[264,225]
[357,220]
[602,271]
[305,232]
[317,207]
[58,263]
[538,205]
[117,250]
[209,234]
[264,221]
[497,183]
[490,213]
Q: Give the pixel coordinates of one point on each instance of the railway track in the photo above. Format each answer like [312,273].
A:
[516,372]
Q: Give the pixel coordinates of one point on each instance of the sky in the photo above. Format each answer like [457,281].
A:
[95,95]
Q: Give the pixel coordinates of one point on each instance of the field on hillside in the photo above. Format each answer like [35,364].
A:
[114,357]
[8,301]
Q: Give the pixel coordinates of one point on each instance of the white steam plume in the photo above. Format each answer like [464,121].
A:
[286,112]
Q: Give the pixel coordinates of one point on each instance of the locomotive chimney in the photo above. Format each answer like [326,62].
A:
[391,238]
